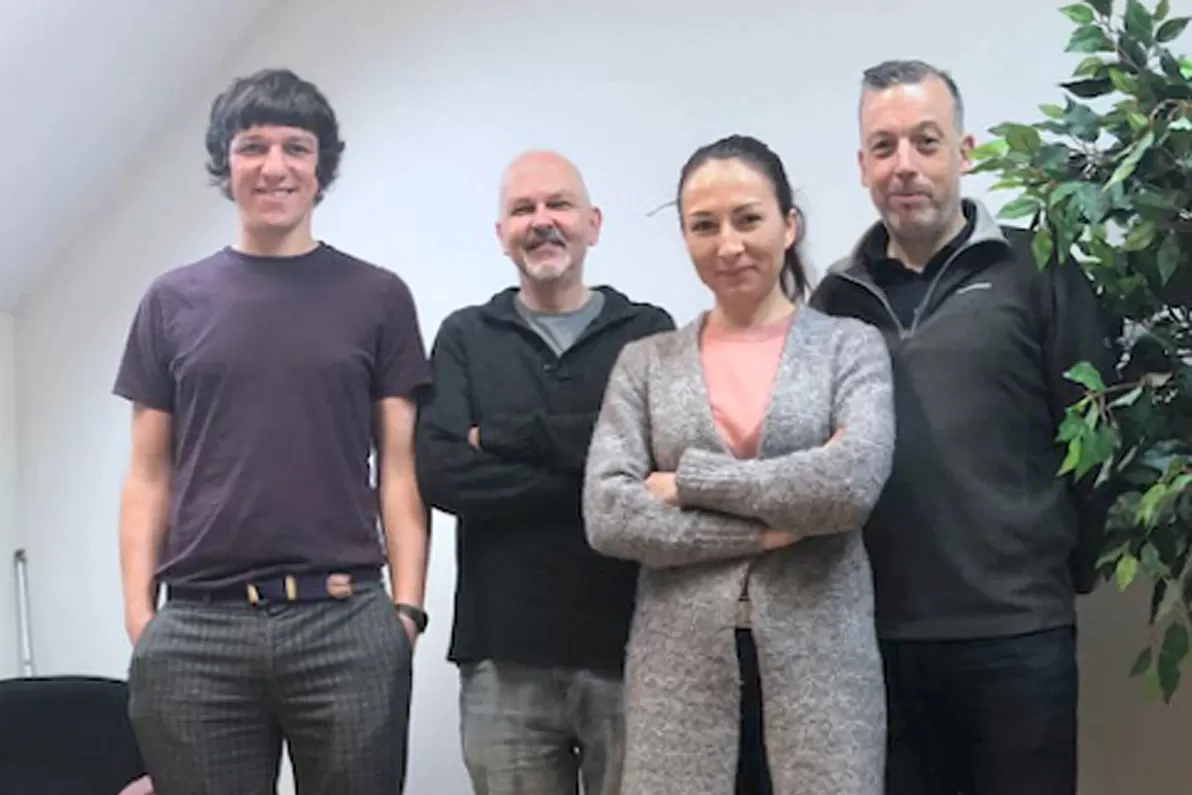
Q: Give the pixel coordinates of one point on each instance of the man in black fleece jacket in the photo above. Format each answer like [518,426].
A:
[978,549]
[541,620]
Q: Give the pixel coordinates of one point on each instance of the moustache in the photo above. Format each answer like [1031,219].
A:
[546,235]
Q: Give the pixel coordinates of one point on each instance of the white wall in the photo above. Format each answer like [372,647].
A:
[433,100]
[8,497]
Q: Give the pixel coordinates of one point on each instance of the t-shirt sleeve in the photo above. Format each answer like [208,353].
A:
[144,375]
[402,368]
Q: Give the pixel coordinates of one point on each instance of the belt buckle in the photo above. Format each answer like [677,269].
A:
[289,584]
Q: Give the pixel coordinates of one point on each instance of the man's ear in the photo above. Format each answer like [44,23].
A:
[594,226]
[967,144]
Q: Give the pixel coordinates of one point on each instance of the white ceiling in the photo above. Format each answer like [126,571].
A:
[87,88]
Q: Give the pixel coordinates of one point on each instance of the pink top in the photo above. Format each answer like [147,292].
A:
[739,370]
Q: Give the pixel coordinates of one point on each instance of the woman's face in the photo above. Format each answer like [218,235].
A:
[736,234]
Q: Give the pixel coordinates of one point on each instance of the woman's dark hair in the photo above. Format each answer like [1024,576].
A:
[272,97]
[760,157]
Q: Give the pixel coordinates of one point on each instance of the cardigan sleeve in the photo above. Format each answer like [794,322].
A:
[823,490]
[622,517]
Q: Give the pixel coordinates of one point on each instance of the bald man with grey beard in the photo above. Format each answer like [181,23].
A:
[541,620]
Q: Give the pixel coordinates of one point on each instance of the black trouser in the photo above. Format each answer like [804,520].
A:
[992,716]
[753,770]
[216,688]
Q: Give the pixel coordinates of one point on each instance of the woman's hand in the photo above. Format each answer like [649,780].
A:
[662,486]
[777,539]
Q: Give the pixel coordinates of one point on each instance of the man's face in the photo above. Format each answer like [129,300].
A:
[547,223]
[912,157]
[274,176]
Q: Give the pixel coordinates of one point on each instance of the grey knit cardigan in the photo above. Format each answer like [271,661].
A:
[821,677]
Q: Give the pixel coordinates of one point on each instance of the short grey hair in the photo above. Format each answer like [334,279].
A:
[888,74]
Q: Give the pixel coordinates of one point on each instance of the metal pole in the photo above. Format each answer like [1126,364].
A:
[20,565]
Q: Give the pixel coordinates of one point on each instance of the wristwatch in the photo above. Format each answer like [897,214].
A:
[415,614]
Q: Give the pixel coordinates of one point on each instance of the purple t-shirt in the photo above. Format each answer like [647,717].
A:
[271,367]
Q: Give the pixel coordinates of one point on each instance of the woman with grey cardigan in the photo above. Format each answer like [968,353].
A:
[737,459]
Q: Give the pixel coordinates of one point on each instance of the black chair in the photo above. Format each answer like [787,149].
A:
[66,735]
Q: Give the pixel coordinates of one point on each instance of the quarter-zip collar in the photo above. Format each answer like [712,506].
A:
[986,244]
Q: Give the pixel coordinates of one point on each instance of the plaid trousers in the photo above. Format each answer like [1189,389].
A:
[216,688]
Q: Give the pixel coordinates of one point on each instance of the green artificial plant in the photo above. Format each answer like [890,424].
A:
[1106,178]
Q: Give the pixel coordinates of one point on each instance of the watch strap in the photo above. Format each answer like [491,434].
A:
[415,614]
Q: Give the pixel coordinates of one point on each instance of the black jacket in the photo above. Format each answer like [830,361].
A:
[529,588]
[974,535]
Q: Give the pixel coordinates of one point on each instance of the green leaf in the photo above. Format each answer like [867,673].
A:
[1168,260]
[1092,202]
[1072,460]
[1019,208]
[1042,246]
[1137,121]
[1186,67]
[1149,559]
[1022,138]
[1071,427]
[1051,110]
[1089,66]
[1149,505]
[1102,7]
[995,147]
[1127,166]
[1152,200]
[1123,82]
[1141,235]
[1127,570]
[1086,375]
[1135,53]
[1175,649]
[1089,38]
[1084,123]
[1089,88]
[1171,29]
[1098,448]
[1138,22]
[1054,159]
[1062,192]
[1162,10]
[1078,13]
[1105,253]
[1170,66]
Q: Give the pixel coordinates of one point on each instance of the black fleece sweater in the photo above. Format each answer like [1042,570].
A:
[529,589]
[974,535]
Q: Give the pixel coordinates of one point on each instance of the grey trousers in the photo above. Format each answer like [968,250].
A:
[541,731]
[215,688]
